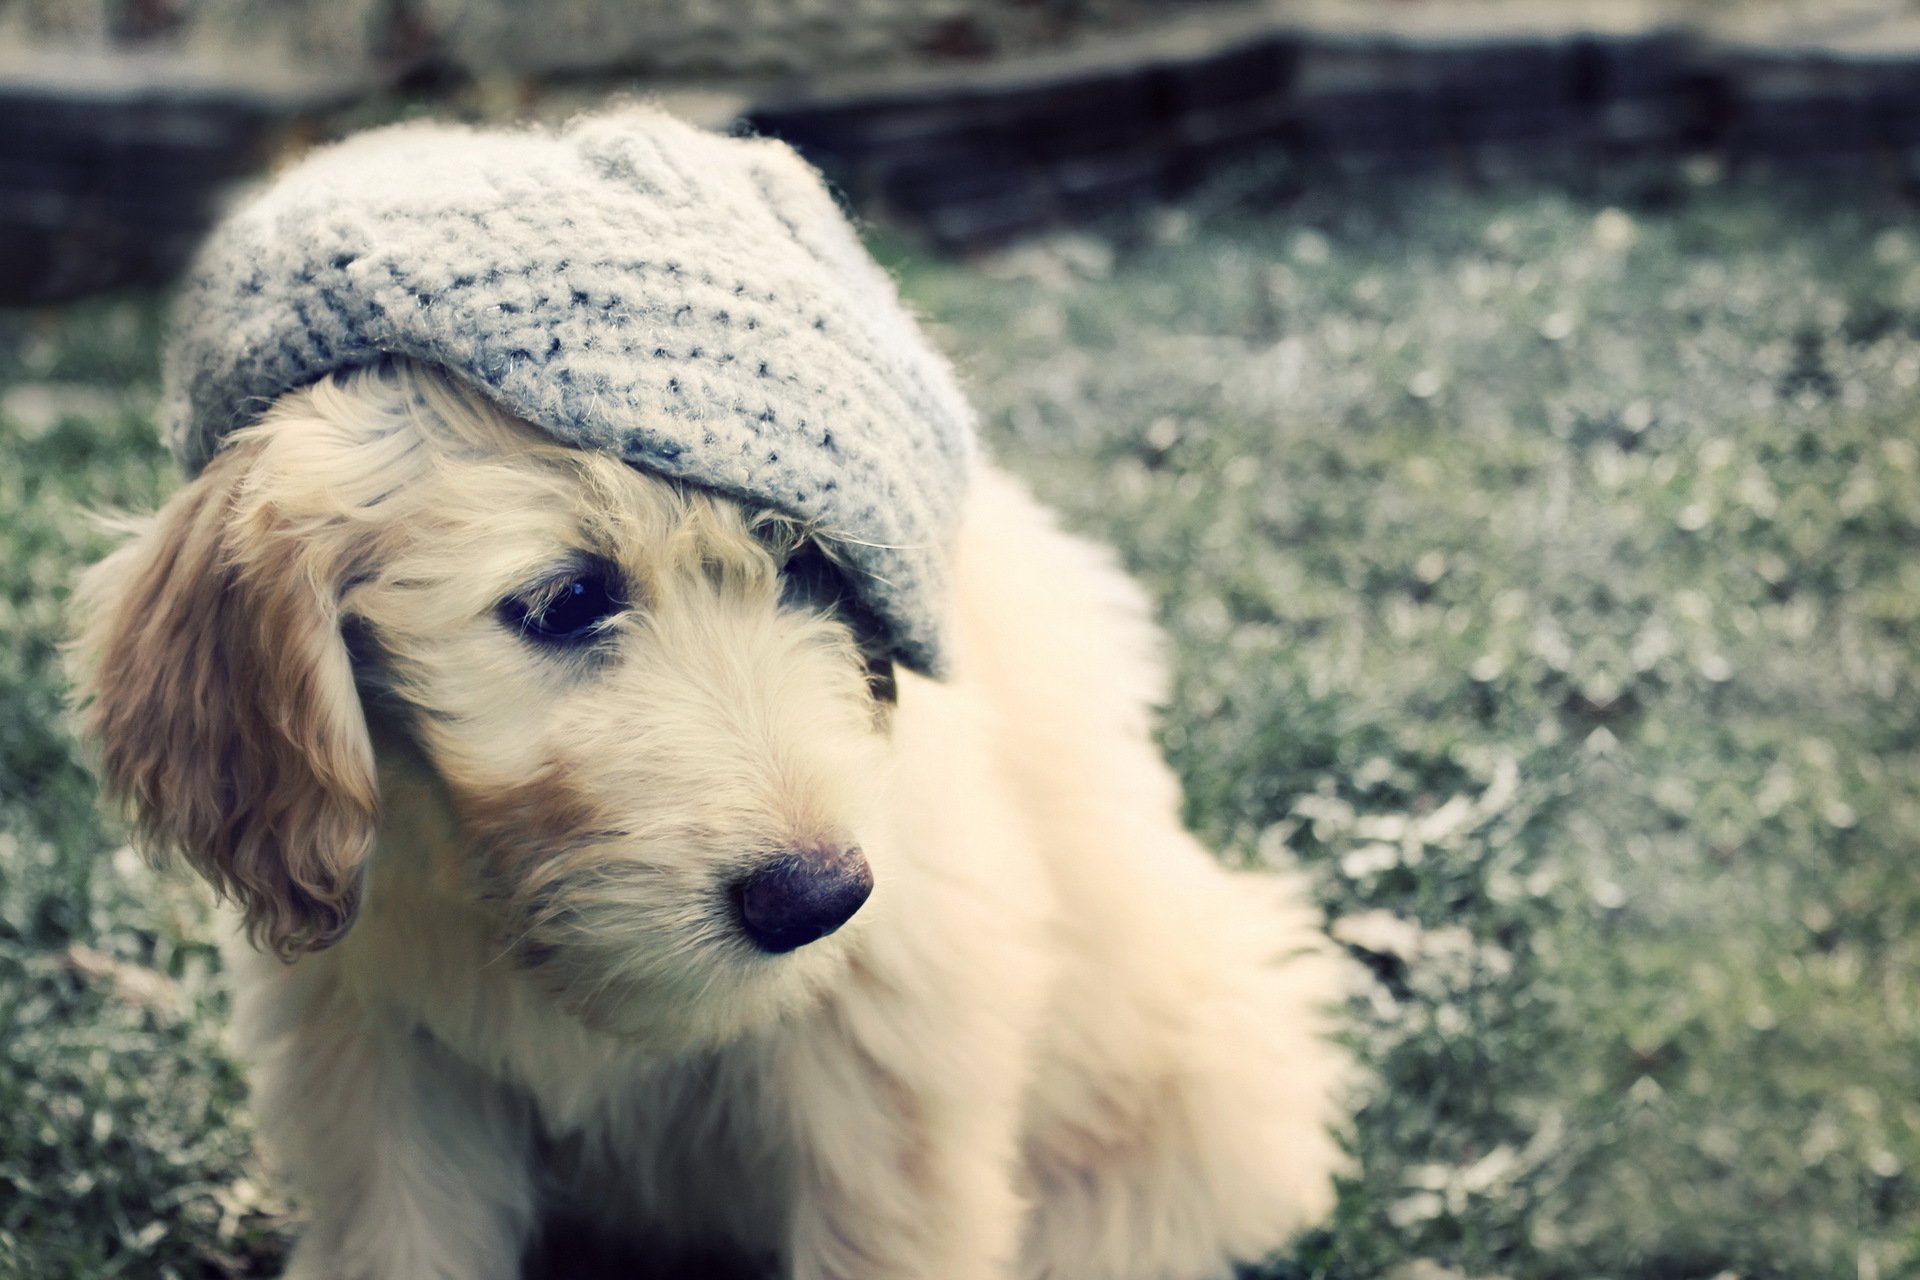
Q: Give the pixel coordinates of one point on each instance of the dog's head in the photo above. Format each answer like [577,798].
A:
[657,716]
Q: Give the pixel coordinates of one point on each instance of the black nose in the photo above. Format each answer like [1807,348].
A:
[803,896]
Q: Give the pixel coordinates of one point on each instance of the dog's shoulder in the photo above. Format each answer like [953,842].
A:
[1049,618]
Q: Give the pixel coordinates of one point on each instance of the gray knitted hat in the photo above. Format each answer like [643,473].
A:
[694,304]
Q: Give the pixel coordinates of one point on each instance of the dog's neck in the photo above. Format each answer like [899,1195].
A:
[422,846]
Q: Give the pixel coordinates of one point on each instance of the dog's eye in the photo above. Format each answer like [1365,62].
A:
[569,610]
[809,580]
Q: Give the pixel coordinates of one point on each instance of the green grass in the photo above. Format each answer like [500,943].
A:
[1543,575]
[123,1147]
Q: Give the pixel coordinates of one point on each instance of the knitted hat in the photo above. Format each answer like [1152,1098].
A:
[694,304]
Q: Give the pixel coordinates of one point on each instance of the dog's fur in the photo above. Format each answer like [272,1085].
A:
[497,973]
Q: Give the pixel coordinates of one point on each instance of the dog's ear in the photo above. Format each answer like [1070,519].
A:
[215,686]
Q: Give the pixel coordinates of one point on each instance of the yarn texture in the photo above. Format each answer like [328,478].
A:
[692,303]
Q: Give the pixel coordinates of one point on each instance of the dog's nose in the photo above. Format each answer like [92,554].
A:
[803,896]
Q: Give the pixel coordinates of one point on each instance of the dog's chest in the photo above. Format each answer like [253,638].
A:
[682,1151]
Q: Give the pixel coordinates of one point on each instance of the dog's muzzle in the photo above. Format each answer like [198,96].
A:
[802,896]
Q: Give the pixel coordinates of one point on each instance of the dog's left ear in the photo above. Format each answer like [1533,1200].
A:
[215,686]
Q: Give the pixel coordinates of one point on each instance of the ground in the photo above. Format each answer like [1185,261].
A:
[1542,574]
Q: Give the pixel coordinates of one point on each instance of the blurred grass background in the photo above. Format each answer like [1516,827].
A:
[1541,571]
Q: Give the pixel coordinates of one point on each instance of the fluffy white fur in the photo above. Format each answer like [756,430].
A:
[502,977]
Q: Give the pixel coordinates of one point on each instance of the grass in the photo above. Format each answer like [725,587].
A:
[124,1150]
[1542,574]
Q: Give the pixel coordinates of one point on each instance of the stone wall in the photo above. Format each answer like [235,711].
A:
[591,37]
[111,166]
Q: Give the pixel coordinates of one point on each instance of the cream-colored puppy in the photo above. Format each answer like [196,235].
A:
[597,868]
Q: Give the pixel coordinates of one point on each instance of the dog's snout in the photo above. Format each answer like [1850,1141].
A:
[803,896]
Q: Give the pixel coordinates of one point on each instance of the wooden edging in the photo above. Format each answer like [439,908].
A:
[971,161]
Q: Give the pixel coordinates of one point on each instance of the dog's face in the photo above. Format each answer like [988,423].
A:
[658,717]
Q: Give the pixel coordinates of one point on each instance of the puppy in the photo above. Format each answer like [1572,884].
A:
[521,662]
[594,862]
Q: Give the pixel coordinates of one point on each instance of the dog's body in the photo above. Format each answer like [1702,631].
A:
[1059,1041]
